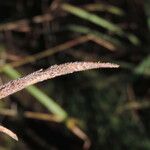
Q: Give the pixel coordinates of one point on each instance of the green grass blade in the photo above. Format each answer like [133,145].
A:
[79,12]
[144,67]
[92,18]
[86,30]
[105,7]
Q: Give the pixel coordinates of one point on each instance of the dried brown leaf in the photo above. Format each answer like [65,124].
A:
[8,132]
[52,72]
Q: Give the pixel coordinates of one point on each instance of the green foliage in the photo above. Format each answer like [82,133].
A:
[144,67]
[112,105]
[100,22]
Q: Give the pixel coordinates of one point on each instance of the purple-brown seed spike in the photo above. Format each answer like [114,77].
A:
[52,72]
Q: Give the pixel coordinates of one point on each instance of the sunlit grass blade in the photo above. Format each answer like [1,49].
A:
[92,18]
[87,30]
[104,7]
[79,12]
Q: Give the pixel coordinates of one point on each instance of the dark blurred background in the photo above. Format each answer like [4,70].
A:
[101,109]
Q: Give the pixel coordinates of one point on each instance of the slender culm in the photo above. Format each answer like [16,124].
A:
[52,72]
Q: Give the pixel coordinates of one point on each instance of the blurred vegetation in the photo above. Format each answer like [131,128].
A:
[100,109]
